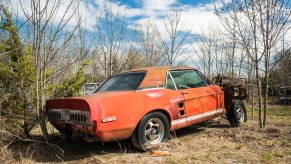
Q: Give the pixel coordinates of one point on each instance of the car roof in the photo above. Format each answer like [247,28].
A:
[156,76]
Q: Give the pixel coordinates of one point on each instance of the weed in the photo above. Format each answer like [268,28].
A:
[266,156]
[239,146]
[269,143]
[280,154]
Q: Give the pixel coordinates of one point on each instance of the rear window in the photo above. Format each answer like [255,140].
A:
[129,81]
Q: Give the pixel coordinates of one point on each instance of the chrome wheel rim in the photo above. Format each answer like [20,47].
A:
[154,131]
[240,113]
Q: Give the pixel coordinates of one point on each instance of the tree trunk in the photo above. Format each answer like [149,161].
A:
[259,90]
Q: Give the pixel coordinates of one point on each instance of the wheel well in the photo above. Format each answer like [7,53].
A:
[164,112]
[160,111]
[234,101]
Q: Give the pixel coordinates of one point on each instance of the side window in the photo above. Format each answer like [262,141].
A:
[170,83]
[188,79]
[206,81]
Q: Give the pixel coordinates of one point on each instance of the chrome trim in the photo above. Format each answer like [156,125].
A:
[147,89]
[179,121]
[207,114]
[169,72]
[196,117]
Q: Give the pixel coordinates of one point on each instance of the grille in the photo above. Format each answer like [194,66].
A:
[78,118]
[54,115]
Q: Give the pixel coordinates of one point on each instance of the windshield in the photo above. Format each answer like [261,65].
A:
[129,81]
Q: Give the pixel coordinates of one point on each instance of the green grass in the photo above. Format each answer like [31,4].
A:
[274,110]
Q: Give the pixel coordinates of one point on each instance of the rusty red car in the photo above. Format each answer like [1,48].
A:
[145,105]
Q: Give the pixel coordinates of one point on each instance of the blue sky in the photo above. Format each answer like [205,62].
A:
[196,13]
[138,3]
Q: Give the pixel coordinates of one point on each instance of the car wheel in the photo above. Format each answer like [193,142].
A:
[153,129]
[237,113]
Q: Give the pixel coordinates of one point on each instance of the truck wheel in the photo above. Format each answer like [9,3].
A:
[237,113]
[152,129]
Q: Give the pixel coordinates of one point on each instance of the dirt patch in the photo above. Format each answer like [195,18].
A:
[211,142]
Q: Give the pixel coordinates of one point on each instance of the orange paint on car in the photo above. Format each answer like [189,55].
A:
[181,106]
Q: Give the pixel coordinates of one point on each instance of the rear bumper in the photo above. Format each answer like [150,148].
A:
[79,120]
[81,124]
[74,117]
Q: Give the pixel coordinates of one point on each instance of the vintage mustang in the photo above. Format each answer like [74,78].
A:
[145,105]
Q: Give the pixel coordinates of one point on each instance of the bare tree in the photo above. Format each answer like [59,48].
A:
[151,46]
[208,52]
[274,17]
[177,38]
[259,25]
[47,40]
[111,33]
[218,53]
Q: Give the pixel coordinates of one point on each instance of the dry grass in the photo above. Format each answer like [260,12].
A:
[212,142]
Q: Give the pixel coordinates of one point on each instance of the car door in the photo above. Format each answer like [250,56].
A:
[197,92]
[214,93]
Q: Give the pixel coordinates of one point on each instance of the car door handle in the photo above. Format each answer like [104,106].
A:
[185,92]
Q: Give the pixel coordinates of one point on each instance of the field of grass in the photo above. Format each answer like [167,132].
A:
[211,142]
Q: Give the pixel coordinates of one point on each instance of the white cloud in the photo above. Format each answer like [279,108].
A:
[56,10]
[88,18]
[155,8]
[118,9]
[198,18]
[195,18]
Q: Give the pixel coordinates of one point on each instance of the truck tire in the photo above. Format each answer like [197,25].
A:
[237,113]
[152,129]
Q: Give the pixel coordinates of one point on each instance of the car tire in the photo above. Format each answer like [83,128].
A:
[237,113]
[153,129]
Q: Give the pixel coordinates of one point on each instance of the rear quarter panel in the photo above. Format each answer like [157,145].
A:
[130,108]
